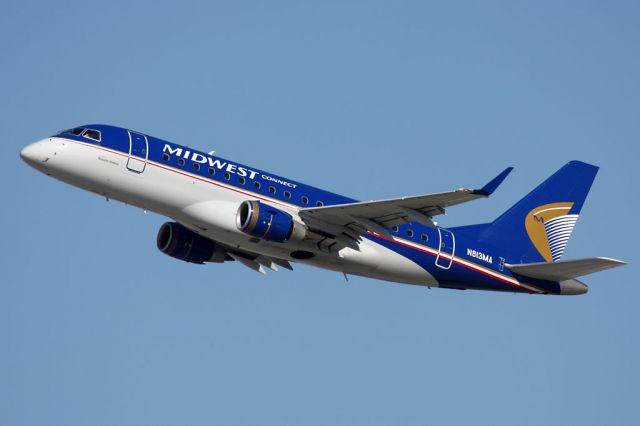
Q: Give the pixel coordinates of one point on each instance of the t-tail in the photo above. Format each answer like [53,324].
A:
[536,230]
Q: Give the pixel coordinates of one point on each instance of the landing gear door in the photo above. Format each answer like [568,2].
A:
[138,152]
[446,249]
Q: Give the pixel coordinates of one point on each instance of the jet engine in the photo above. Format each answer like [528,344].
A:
[264,221]
[181,243]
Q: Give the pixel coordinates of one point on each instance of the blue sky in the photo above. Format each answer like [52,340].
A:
[369,99]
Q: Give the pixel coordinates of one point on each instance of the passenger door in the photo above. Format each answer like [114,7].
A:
[138,152]
[446,249]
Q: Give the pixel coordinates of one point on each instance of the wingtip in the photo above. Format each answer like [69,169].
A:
[490,187]
[616,261]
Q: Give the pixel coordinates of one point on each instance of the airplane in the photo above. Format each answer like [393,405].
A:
[226,211]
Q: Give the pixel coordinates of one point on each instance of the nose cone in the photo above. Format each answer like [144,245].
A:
[573,287]
[35,154]
[32,153]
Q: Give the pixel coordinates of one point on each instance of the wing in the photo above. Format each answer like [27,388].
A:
[354,219]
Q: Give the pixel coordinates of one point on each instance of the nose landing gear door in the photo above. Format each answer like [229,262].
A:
[138,152]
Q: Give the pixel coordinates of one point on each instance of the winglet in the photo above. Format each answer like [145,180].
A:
[495,182]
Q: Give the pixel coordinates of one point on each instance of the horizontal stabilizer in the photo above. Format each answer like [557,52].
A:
[564,269]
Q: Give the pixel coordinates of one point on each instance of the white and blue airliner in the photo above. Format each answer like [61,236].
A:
[224,211]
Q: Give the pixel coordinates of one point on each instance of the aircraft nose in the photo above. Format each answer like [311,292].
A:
[34,153]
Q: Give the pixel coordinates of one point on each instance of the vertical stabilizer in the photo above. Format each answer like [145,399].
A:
[537,228]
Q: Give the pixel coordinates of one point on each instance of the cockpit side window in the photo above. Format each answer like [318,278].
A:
[92,134]
[75,131]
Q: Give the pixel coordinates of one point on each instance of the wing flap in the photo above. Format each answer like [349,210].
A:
[564,269]
[249,263]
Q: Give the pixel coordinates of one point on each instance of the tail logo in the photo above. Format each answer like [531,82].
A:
[549,228]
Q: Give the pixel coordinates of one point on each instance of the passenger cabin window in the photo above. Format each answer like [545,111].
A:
[165,157]
[305,200]
[212,171]
[227,176]
[196,166]
[424,237]
[92,134]
[395,229]
[287,194]
[409,232]
[181,161]
[256,185]
[242,180]
[272,189]
[319,204]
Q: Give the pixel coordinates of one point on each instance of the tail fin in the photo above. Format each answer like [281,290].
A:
[538,227]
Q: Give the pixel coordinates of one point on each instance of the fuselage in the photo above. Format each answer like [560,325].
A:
[203,191]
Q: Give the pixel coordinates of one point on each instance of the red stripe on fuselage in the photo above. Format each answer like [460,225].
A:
[458,262]
[252,194]
[153,163]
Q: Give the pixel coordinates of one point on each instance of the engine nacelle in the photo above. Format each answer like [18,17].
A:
[181,243]
[263,221]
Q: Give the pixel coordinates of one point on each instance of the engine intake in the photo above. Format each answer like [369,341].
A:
[181,243]
[263,221]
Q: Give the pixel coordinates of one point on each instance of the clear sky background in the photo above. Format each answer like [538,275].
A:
[369,99]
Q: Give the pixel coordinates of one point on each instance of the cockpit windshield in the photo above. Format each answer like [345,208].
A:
[84,132]
[75,131]
[92,134]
